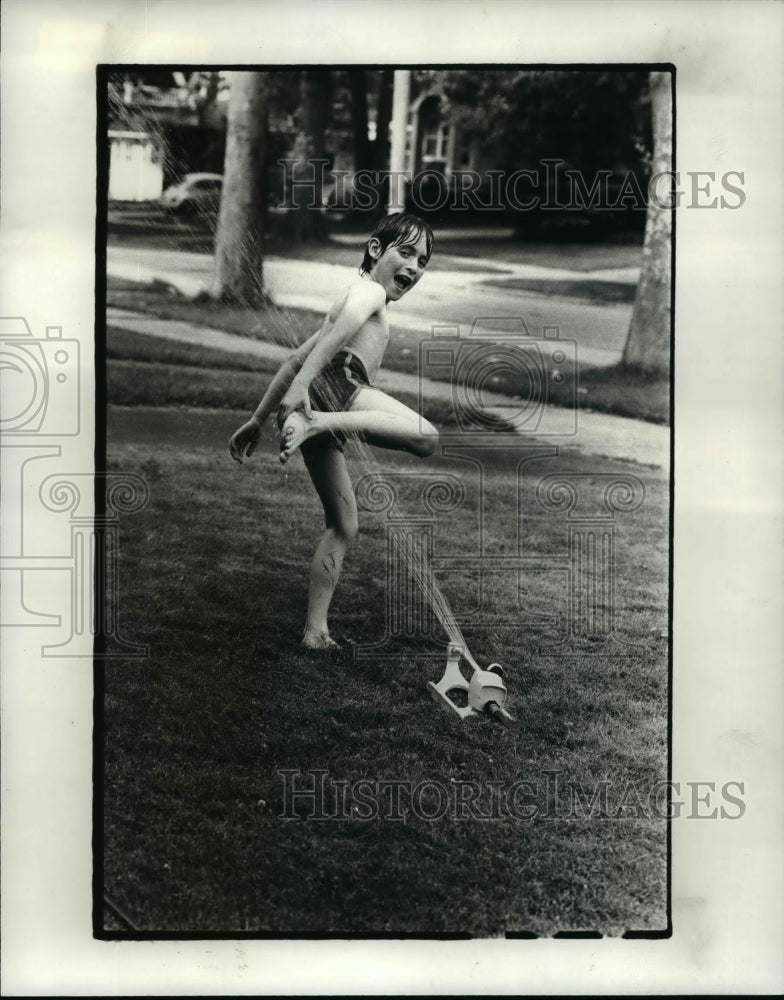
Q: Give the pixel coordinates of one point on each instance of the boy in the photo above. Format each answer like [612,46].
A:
[324,394]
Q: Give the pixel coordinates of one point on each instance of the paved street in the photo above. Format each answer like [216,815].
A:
[441,298]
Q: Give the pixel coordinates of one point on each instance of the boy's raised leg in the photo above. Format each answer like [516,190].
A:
[374,416]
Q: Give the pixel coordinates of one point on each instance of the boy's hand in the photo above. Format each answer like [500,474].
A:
[295,399]
[244,441]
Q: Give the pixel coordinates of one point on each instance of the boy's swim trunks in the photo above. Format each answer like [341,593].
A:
[336,386]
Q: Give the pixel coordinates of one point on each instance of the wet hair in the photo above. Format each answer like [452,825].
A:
[395,229]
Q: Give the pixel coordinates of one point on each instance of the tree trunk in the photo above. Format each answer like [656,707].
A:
[239,237]
[381,148]
[648,344]
[384,117]
[357,83]
[307,221]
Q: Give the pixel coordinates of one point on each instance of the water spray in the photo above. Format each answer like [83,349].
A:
[486,689]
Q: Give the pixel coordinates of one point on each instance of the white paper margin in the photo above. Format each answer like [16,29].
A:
[727,876]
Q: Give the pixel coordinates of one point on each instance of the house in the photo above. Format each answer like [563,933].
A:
[135,169]
[162,125]
[433,141]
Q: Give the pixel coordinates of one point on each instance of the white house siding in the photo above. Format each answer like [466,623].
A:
[133,173]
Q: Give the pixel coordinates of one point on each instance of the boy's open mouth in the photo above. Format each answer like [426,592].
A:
[402,281]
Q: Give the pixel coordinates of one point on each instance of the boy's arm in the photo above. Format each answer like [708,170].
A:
[362,301]
[243,442]
[282,380]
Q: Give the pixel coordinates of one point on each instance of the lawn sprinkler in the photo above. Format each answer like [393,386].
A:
[486,689]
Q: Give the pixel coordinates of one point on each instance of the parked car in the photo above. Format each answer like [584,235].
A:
[195,193]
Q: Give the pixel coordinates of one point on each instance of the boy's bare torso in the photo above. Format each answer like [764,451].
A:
[370,340]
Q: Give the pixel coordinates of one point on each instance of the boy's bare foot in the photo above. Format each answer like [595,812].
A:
[294,432]
[313,639]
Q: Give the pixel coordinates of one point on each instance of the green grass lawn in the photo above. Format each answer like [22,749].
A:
[150,371]
[606,390]
[212,577]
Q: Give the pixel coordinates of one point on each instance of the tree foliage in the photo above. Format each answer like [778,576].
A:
[593,120]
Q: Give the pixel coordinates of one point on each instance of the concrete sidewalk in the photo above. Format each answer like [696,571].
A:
[447,298]
[598,434]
